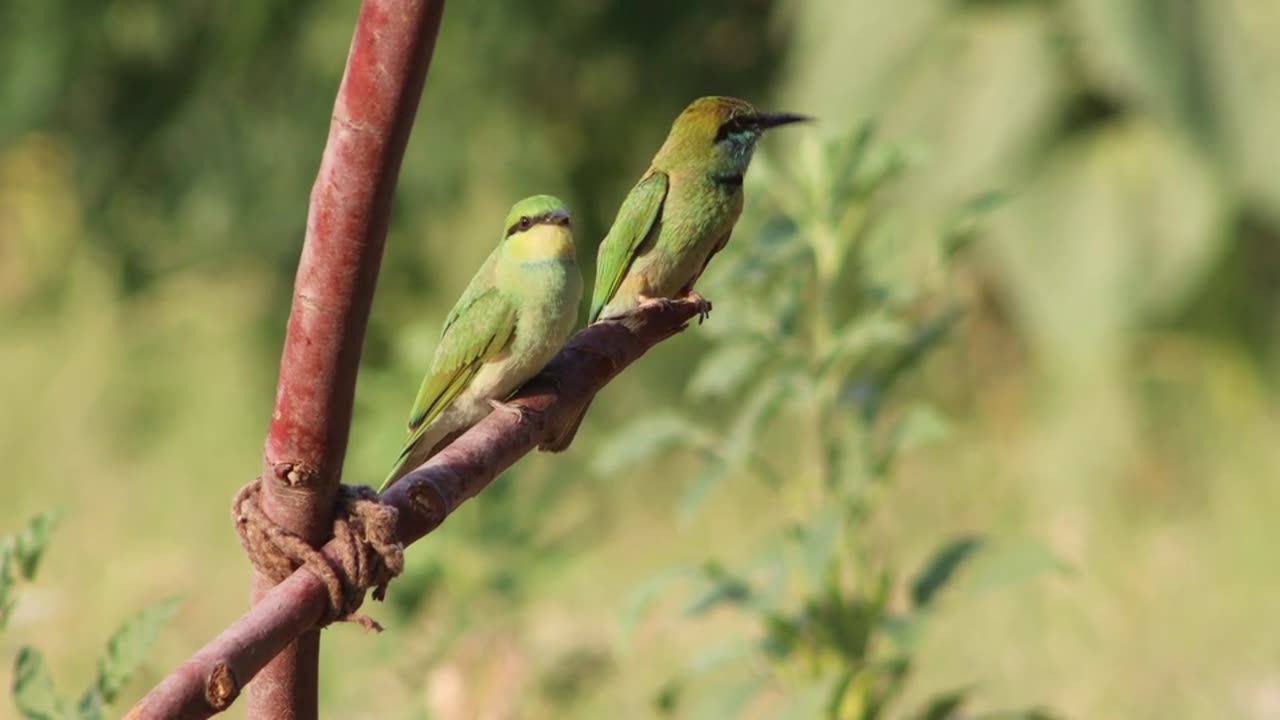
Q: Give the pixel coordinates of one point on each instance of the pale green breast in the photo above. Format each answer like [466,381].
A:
[547,293]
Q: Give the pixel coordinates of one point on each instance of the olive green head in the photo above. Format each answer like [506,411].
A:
[720,131]
[538,228]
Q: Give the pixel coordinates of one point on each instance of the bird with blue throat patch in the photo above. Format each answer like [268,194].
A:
[511,320]
[683,209]
[680,213]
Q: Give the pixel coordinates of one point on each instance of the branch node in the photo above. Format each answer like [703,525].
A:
[295,474]
[221,687]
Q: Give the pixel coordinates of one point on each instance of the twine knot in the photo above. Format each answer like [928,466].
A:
[368,553]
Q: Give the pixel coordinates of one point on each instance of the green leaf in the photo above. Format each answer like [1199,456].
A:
[903,631]
[641,600]
[864,334]
[870,395]
[725,369]
[1032,714]
[818,541]
[944,706]
[919,426]
[6,562]
[32,542]
[694,497]
[846,156]
[718,656]
[941,568]
[761,406]
[781,636]
[91,707]
[728,700]
[668,698]
[738,448]
[7,600]
[1009,562]
[726,589]
[964,227]
[33,690]
[128,647]
[809,702]
[643,438]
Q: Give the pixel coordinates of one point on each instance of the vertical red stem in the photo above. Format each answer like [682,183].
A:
[337,273]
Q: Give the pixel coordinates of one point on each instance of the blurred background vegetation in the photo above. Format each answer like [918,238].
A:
[1107,391]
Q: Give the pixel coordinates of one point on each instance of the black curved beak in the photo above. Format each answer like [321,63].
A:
[767,120]
[558,217]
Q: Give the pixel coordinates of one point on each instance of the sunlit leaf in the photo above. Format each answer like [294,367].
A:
[921,425]
[1013,561]
[642,599]
[709,660]
[33,691]
[867,333]
[7,581]
[695,496]
[762,405]
[32,541]
[128,647]
[90,706]
[725,369]
[725,589]
[849,698]
[941,568]
[782,635]
[718,656]
[1032,714]
[739,448]
[643,438]
[903,631]
[870,393]
[727,700]
[965,226]
[944,706]
[668,698]
[883,163]
[808,702]
[818,541]
[846,156]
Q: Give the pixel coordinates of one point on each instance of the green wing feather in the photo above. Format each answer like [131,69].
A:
[479,327]
[636,220]
[473,334]
[480,283]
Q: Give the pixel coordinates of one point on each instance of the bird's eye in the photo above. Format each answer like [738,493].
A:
[525,223]
[735,125]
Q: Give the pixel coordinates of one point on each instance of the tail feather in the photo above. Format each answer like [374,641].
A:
[402,468]
[413,456]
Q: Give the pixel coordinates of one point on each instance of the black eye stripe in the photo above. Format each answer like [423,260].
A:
[533,220]
[733,125]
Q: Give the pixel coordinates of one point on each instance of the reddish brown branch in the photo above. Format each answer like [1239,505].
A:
[346,229]
[424,498]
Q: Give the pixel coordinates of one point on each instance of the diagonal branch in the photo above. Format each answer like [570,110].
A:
[209,681]
[346,229]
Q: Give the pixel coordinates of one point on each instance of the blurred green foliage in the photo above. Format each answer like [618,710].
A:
[1106,400]
[34,695]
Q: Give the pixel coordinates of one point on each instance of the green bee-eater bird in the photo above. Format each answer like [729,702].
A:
[683,210]
[510,321]
[679,214]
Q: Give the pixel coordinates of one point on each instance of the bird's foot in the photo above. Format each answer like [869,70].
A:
[518,412]
[704,305]
[644,301]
